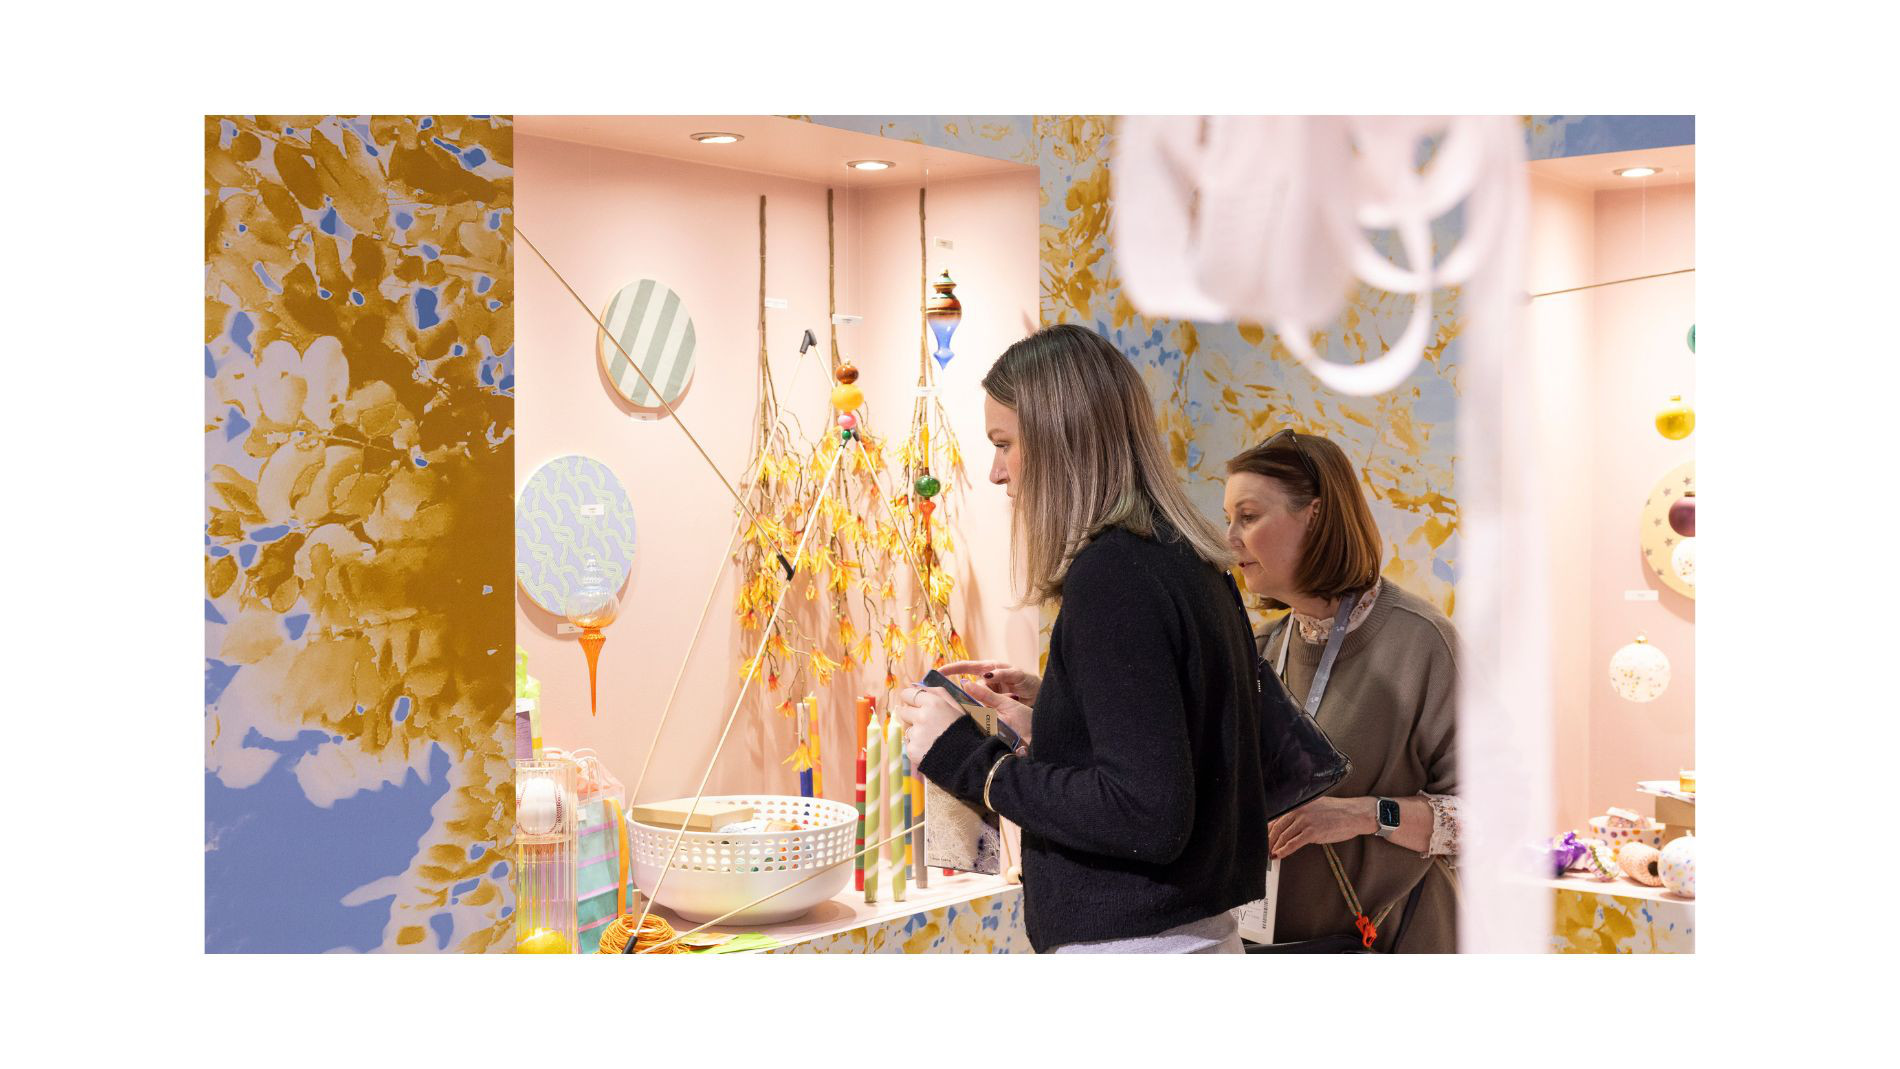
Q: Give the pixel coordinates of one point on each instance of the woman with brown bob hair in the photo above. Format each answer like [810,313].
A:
[1377,668]
[1139,793]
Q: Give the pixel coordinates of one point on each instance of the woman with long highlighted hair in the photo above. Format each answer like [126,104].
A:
[1139,793]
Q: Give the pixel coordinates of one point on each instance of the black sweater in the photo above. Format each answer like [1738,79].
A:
[1141,800]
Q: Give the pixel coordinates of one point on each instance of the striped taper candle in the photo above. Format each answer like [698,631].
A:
[803,731]
[817,752]
[860,850]
[894,793]
[873,802]
[920,853]
[910,864]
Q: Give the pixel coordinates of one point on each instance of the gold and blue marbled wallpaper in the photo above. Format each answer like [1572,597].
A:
[991,924]
[359,416]
[1586,923]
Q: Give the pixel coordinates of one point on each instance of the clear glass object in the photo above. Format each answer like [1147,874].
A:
[593,604]
[943,312]
[547,870]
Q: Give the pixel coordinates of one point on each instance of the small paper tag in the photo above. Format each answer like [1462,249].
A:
[928,391]
[777,302]
[565,628]
[595,508]
[845,319]
[1640,595]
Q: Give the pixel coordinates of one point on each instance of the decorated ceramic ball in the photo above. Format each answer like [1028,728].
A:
[846,397]
[1639,672]
[1675,420]
[846,374]
[1682,515]
[927,486]
[1677,866]
[1683,561]
[1640,862]
[847,421]
[538,806]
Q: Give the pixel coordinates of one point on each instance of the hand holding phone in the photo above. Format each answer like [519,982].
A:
[983,714]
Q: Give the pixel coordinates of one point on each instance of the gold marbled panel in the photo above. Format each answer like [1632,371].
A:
[359,338]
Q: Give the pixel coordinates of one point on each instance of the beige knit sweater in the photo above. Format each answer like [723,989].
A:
[1391,708]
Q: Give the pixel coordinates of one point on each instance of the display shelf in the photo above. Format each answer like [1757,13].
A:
[1665,788]
[962,914]
[1619,917]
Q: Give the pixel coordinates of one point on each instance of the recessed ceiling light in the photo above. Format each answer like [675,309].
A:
[1638,172]
[871,165]
[717,138]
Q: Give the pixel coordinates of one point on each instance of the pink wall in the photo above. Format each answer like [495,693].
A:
[1642,358]
[991,221]
[607,218]
[1618,353]
[1563,335]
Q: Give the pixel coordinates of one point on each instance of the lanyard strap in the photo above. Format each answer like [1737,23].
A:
[1326,659]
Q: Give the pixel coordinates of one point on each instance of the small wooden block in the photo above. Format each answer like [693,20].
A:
[708,818]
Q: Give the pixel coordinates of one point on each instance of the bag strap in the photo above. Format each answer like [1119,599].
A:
[1369,926]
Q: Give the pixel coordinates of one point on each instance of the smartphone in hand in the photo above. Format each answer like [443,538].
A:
[974,708]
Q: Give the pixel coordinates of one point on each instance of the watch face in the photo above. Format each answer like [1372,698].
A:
[1388,813]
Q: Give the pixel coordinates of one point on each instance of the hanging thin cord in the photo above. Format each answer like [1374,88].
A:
[752,671]
[1614,282]
[668,405]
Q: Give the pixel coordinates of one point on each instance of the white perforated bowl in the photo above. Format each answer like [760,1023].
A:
[716,872]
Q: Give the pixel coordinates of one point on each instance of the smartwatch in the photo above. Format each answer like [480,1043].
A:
[1388,817]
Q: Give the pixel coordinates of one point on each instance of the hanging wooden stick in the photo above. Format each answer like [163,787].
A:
[831,251]
[923,290]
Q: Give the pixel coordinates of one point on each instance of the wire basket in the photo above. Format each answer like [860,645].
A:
[715,872]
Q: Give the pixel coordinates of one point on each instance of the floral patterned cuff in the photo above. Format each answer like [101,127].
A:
[1444,824]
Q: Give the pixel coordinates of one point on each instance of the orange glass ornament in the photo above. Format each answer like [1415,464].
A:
[592,606]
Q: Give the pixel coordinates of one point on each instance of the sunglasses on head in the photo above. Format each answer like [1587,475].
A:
[1306,462]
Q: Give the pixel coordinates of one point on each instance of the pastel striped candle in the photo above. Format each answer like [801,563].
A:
[920,853]
[817,756]
[860,851]
[873,802]
[804,742]
[894,800]
[910,866]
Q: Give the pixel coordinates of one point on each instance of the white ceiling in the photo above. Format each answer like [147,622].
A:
[1599,172]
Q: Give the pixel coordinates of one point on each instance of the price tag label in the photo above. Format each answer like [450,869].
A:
[595,508]
[928,391]
[1640,595]
[565,628]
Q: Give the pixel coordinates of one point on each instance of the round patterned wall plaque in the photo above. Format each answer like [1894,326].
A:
[1658,538]
[652,326]
[571,509]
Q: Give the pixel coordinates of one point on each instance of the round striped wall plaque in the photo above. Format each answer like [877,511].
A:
[653,328]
